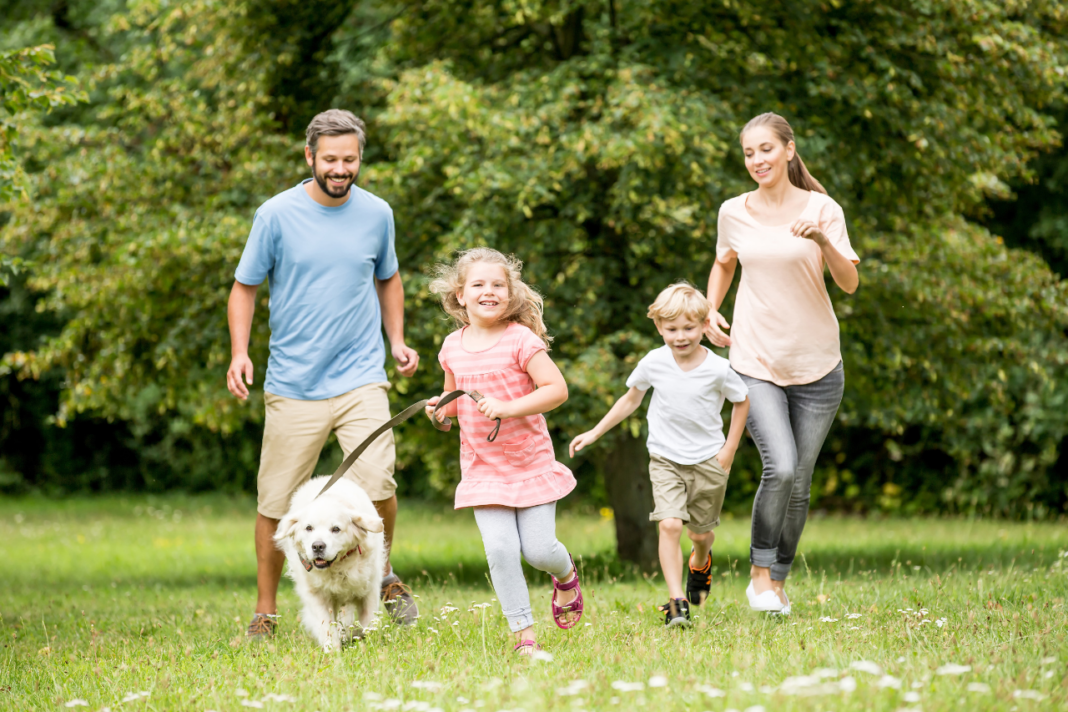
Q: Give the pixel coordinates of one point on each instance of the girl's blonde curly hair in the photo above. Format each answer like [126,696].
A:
[525,306]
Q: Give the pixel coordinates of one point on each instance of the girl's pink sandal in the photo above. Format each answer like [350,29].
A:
[526,647]
[567,617]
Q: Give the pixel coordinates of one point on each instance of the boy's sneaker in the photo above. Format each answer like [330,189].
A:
[676,613]
[698,581]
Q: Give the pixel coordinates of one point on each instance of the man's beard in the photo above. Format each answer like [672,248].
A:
[334,191]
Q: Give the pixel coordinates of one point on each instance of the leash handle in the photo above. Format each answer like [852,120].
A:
[445,425]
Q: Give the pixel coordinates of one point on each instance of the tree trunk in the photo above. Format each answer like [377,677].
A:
[626,478]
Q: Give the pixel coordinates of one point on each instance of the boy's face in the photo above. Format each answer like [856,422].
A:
[682,334]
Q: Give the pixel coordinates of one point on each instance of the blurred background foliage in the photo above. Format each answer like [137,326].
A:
[595,140]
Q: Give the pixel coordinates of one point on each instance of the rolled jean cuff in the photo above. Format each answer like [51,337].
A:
[780,571]
[522,622]
[764,558]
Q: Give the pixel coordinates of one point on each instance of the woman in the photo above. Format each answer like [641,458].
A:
[784,343]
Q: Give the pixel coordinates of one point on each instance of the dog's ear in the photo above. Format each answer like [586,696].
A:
[286,527]
[367,525]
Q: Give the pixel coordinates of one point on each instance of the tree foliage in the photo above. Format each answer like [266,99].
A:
[596,141]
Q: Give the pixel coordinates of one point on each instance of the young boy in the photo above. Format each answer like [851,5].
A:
[688,456]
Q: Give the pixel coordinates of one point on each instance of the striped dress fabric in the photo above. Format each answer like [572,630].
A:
[519,468]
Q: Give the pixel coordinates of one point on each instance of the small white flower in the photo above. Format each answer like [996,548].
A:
[847,684]
[1047,675]
[256,704]
[628,686]
[1027,695]
[755,708]
[658,681]
[573,688]
[372,696]
[279,698]
[940,622]
[825,672]
[746,686]
[77,703]
[589,624]
[426,685]
[240,692]
[889,681]
[980,687]
[828,619]
[901,659]
[854,616]
[542,656]
[866,666]
[711,691]
[953,669]
[912,697]
[1048,661]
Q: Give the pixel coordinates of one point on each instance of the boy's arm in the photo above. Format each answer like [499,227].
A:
[739,414]
[620,411]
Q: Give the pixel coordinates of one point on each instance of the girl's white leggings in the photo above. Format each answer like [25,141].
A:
[508,532]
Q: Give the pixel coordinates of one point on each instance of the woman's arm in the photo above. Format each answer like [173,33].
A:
[842,268]
[719,281]
[450,409]
[551,392]
[620,411]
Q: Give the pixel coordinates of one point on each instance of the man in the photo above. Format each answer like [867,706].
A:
[326,248]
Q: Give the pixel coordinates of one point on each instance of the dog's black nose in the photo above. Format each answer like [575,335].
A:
[318,548]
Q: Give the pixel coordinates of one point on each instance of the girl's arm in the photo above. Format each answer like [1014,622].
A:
[450,409]
[739,413]
[551,392]
[620,411]
[719,281]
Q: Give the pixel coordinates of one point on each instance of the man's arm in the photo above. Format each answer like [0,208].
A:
[239,311]
[391,297]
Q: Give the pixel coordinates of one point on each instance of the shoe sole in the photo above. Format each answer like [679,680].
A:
[679,623]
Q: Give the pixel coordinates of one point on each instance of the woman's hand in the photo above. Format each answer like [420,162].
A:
[714,329]
[493,408]
[808,230]
[431,402]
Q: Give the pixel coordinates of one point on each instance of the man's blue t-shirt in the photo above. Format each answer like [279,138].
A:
[326,324]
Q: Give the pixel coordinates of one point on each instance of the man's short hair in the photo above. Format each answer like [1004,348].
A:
[680,299]
[335,122]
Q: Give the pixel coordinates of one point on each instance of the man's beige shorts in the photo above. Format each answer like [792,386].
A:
[692,493]
[296,430]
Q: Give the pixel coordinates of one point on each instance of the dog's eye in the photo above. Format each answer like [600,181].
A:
[335,529]
[308,528]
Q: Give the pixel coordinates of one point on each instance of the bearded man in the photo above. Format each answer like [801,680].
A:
[326,248]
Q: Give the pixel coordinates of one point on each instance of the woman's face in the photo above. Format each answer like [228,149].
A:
[766,157]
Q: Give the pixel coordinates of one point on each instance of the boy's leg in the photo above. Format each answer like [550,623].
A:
[706,484]
[671,555]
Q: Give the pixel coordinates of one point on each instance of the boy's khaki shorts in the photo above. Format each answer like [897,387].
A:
[692,493]
[296,430]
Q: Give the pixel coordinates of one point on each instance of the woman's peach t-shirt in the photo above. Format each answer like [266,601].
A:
[784,329]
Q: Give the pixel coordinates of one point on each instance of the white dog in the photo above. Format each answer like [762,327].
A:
[336,552]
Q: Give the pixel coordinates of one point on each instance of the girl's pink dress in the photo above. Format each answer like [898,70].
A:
[519,468]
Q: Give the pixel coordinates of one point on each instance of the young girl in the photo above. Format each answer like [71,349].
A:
[512,481]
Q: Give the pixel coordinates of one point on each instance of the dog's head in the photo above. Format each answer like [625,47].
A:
[325,532]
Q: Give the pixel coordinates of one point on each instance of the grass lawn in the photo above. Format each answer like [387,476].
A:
[146,599]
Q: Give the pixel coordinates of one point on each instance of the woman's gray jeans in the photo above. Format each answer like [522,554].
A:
[788,425]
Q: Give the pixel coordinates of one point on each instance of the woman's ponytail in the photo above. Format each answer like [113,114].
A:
[795,170]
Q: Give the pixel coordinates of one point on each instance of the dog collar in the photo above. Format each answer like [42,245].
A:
[307,563]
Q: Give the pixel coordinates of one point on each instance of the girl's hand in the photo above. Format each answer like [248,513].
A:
[493,408]
[808,230]
[430,403]
[587,438]
[714,329]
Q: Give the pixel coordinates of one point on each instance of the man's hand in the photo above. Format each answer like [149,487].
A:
[407,359]
[240,365]
[587,438]
[725,456]
[493,408]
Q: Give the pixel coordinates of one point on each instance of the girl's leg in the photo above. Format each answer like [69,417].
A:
[537,536]
[500,536]
[813,407]
[769,424]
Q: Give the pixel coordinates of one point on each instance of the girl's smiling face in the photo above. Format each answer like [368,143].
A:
[766,158]
[485,293]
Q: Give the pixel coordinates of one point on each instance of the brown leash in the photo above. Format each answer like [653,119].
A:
[408,412]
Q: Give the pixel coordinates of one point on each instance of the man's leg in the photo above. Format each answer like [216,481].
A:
[387,509]
[269,563]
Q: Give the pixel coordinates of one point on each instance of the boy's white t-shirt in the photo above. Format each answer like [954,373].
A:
[685,425]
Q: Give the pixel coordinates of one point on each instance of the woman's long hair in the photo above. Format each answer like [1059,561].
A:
[795,169]
[524,304]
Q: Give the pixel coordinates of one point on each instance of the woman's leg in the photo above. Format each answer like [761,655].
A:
[813,407]
[537,537]
[500,536]
[769,424]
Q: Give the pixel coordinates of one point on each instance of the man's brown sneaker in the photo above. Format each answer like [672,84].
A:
[261,627]
[398,601]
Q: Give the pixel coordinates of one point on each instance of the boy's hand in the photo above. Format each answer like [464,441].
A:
[587,438]
[493,408]
[725,456]
[431,402]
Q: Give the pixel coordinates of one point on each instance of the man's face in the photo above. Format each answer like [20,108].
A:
[336,164]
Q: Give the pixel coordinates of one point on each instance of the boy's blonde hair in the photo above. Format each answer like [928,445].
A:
[680,299]
[525,306]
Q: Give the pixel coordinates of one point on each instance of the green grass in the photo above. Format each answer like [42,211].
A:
[104,597]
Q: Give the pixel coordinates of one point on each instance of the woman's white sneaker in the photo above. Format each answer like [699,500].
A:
[767,602]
